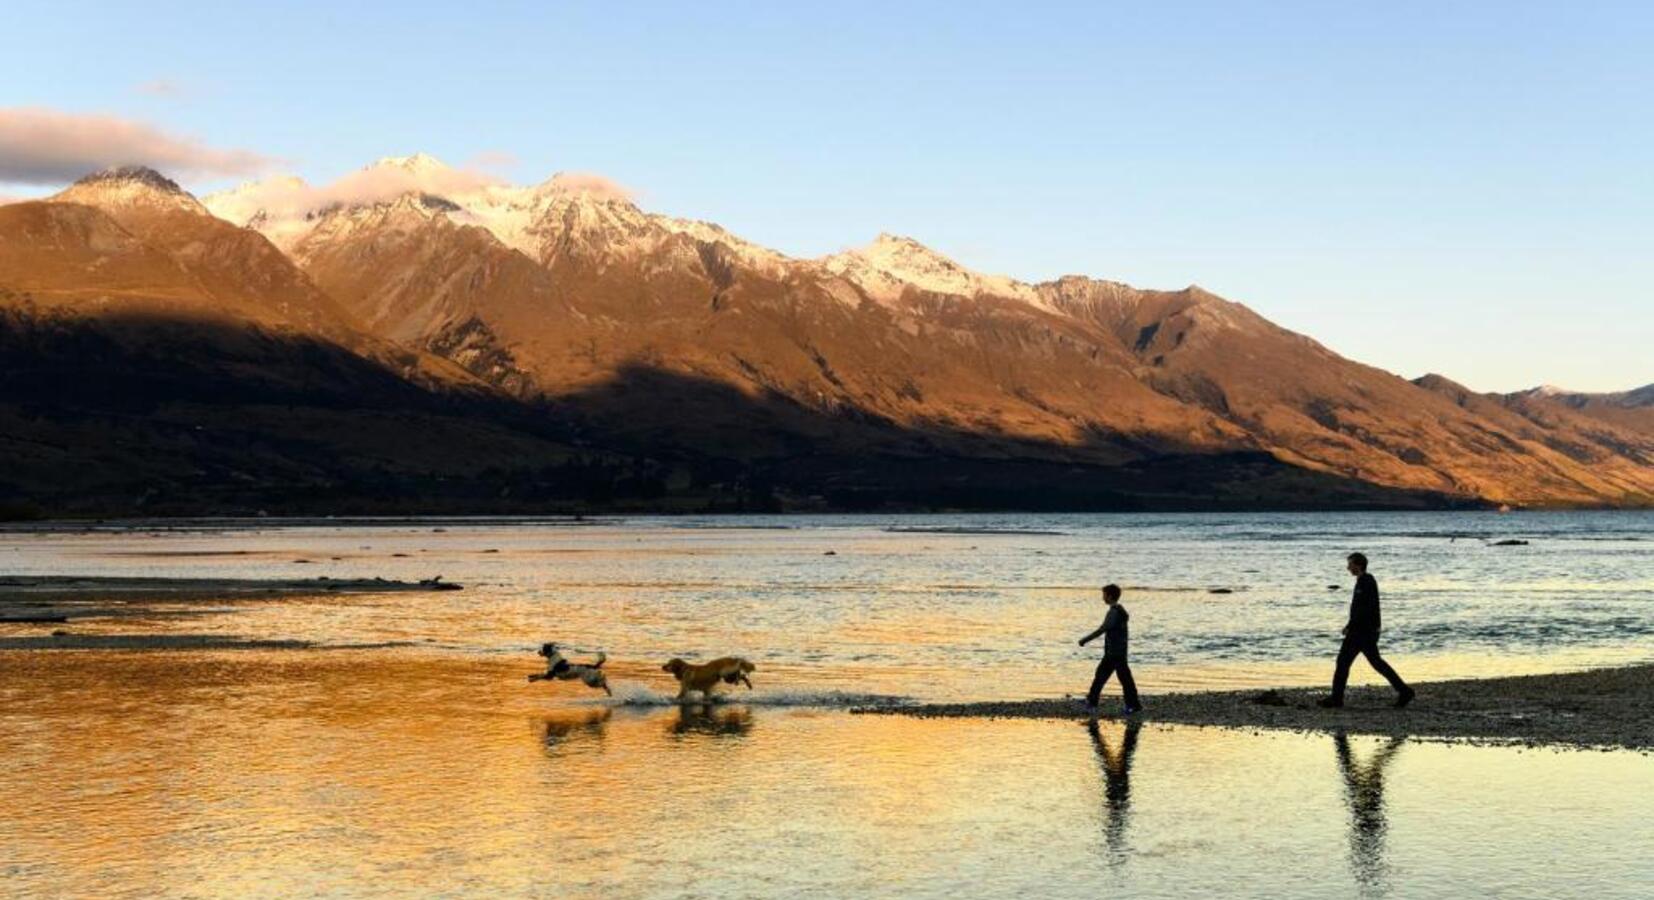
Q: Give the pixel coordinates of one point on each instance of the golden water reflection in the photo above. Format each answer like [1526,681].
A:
[384,773]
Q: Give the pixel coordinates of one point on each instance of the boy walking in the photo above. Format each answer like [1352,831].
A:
[1114,635]
[1361,638]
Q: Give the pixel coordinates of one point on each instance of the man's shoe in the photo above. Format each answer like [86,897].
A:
[1330,703]
[1405,697]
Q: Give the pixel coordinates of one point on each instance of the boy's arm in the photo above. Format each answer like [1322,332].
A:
[1108,622]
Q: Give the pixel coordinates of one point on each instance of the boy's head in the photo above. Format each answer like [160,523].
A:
[1357,563]
[1111,594]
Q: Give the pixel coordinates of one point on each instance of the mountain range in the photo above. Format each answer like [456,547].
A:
[419,338]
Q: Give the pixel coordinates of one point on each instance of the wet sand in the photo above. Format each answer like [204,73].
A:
[31,603]
[1598,708]
[40,599]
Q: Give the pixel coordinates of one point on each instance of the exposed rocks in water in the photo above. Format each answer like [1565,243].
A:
[1221,591]
[1510,542]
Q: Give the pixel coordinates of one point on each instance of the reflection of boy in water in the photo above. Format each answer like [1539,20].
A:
[1115,642]
[1116,766]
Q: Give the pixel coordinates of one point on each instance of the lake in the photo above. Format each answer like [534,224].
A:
[408,755]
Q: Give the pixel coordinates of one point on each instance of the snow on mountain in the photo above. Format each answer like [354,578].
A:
[587,216]
[1630,399]
[891,263]
[567,212]
[137,187]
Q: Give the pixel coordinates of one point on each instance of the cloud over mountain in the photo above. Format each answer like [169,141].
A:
[46,146]
[389,178]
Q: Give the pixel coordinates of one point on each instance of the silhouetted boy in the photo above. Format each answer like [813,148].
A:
[1361,638]
[1113,631]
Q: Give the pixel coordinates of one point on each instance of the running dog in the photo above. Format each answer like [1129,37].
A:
[704,677]
[558,667]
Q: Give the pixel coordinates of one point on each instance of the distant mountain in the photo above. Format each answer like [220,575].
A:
[158,359]
[1628,409]
[883,375]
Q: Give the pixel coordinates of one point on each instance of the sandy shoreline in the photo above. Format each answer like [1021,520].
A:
[1597,708]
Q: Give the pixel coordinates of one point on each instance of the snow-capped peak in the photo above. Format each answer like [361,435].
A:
[892,263]
[139,174]
[417,164]
[130,187]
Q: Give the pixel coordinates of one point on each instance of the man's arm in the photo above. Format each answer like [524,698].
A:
[1364,608]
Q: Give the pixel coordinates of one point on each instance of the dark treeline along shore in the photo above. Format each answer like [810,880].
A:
[161,360]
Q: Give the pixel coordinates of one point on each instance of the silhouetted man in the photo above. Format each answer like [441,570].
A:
[1361,638]
[1114,635]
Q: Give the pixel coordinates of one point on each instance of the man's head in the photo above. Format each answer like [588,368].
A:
[1111,594]
[1357,563]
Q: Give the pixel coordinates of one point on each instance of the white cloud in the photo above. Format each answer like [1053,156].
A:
[592,184]
[291,197]
[387,180]
[44,146]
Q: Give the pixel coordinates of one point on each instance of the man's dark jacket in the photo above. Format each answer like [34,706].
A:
[1364,618]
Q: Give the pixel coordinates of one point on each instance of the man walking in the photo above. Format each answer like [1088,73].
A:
[1361,638]
[1114,633]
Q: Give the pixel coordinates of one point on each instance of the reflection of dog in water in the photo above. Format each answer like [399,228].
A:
[696,718]
[558,667]
[566,728]
[705,676]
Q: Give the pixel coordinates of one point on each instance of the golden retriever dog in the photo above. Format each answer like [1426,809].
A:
[705,676]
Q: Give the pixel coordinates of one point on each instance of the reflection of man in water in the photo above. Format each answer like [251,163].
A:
[1116,766]
[1364,790]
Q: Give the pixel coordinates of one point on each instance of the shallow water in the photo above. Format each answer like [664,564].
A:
[373,774]
[434,768]
[941,614]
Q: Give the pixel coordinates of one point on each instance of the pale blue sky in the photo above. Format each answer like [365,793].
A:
[1465,188]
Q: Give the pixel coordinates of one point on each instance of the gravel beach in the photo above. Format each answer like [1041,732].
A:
[1597,708]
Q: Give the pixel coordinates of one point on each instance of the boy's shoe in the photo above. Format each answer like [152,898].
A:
[1330,703]
[1405,697]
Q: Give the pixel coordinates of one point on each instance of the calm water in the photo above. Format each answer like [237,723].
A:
[432,767]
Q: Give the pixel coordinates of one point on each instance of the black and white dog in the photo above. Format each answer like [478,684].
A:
[559,668]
